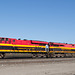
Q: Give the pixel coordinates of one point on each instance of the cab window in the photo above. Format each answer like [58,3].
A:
[2,39]
[6,39]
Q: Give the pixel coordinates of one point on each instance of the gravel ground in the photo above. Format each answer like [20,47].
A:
[24,66]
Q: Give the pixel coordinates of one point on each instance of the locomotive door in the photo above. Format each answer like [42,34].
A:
[47,48]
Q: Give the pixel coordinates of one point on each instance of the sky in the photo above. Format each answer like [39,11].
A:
[44,20]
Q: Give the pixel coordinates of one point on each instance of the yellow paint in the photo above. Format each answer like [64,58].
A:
[69,48]
[20,45]
[62,51]
[20,51]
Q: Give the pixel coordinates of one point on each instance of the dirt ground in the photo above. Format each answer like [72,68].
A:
[56,66]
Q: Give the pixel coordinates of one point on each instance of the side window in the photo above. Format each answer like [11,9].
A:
[13,40]
[2,39]
[61,45]
[6,39]
[56,45]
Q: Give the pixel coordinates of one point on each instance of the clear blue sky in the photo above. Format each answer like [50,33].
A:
[46,20]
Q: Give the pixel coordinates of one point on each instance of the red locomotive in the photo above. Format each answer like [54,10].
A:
[61,49]
[9,45]
[36,48]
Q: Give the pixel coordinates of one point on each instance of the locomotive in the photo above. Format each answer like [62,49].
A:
[36,48]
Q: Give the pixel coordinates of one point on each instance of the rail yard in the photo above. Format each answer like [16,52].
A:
[42,66]
[31,57]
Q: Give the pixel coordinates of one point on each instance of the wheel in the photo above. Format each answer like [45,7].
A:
[44,56]
[34,55]
[2,55]
[39,55]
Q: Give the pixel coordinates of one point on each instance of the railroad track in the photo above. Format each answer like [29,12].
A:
[30,60]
